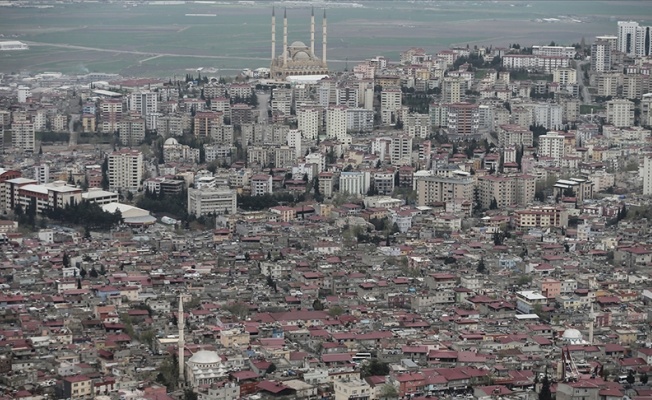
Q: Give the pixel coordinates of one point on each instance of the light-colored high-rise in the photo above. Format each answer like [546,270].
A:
[436,189]
[336,119]
[22,136]
[633,39]
[308,122]
[647,175]
[211,201]
[620,113]
[132,131]
[551,145]
[601,56]
[125,170]
[390,104]
[452,89]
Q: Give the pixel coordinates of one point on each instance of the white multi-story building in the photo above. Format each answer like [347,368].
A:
[620,112]
[294,141]
[557,51]
[211,201]
[261,184]
[601,56]
[401,150]
[355,182]
[548,115]
[23,94]
[22,136]
[144,103]
[125,170]
[540,63]
[390,104]
[359,120]
[551,145]
[452,89]
[417,125]
[633,39]
[42,173]
[647,175]
[565,76]
[336,121]
[308,122]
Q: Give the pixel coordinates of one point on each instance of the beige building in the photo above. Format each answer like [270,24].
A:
[435,189]
[234,338]
[620,113]
[212,201]
[77,387]
[506,190]
[541,217]
[390,104]
[125,170]
[351,389]
[23,136]
[132,131]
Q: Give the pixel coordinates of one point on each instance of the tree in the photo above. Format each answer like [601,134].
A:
[494,204]
[388,392]
[545,393]
[270,369]
[335,311]
[375,368]
[82,273]
[481,267]
[643,378]
[631,378]
[93,273]
[317,305]
[189,394]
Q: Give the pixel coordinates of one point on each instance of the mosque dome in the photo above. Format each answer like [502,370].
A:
[171,142]
[298,44]
[302,55]
[205,357]
[572,335]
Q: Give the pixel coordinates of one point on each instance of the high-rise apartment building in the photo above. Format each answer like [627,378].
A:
[436,189]
[452,89]
[647,175]
[463,120]
[506,190]
[551,145]
[601,56]
[125,170]
[390,104]
[132,131]
[336,121]
[548,115]
[620,113]
[22,136]
[633,39]
[110,115]
[144,103]
[308,122]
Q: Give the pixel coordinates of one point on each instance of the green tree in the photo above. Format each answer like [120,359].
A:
[335,311]
[481,267]
[375,368]
[545,393]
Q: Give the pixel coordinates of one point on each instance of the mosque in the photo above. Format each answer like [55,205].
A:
[297,59]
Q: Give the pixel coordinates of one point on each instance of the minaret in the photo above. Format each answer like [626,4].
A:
[591,321]
[312,31]
[181,324]
[273,35]
[323,25]
[285,37]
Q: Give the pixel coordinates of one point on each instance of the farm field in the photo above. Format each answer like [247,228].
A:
[161,40]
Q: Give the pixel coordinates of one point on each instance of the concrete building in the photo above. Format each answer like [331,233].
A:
[514,135]
[390,104]
[132,131]
[452,89]
[463,120]
[633,39]
[110,115]
[620,113]
[212,201]
[601,56]
[647,175]
[144,103]
[548,115]
[42,173]
[125,170]
[565,76]
[506,190]
[23,136]
[261,184]
[336,121]
[401,150]
[436,189]
[355,182]
[359,120]
[551,145]
[308,122]
[417,125]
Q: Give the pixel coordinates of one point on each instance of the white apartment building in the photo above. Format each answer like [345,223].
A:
[548,115]
[359,120]
[261,184]
[565,76]
[282,100]
[294,141]
[551,145]
[23,94]
[211,201]
[417,125]
[620,113]
[557,51]
[42,173]
[144,103]
[317,159]
[125,170]
[336,121]
[540,63]
[647,175]
[452,89]
[22,136]
[308,122]
[401,150]
[633,39]
[435,189]
[601,56]
[355,182]
[390,103]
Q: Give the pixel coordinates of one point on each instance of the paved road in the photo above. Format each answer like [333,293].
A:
[263,106]
[584,90]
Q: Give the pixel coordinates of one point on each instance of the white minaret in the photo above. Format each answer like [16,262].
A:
[323,25]
[591,322]
[181,324]
[285,37]
[273,35]
[312,31]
